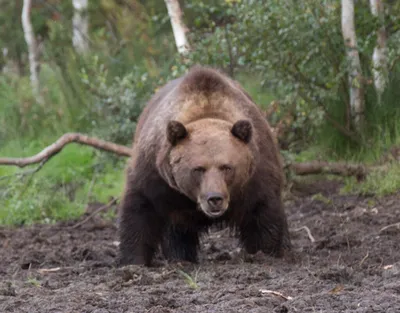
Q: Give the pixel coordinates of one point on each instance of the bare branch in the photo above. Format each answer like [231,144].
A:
[102,208]
[56,147]
[276,293]
[310,236]
[390,226]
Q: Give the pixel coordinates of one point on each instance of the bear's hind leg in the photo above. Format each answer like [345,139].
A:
[181,243]
[140,230]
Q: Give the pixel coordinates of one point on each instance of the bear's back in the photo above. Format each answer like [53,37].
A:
[201,93]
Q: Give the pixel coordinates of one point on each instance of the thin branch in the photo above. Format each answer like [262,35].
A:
[56,147]
[332,120]
[98,210]
[49,270]
[310,236]
[340,127]
[390,226]
[276,293]
[28,172]
[364,258]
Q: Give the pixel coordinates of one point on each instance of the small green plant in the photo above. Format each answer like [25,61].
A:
[34,282]
[322,198]
[192,282]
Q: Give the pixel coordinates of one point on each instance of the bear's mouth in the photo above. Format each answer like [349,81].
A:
[212,211]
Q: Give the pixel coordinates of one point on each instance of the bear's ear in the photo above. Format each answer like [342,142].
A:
[243,130]
[176,131]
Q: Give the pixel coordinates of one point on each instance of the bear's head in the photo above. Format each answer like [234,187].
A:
[210,160]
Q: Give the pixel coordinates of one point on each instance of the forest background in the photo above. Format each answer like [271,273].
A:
[327,74]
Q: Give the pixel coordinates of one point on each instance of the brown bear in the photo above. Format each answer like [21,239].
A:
[203,154]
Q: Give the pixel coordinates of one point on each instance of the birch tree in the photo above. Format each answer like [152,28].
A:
[33,51]
[379,57]
[178,27]
[355,76]
[80,26]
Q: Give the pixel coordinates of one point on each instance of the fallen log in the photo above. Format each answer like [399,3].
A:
[333,168]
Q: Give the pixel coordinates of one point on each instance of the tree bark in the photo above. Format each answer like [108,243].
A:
[80,26]
[178,27]
[33,51]
[379,57]
[357,105]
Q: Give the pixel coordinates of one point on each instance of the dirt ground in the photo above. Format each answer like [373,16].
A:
[352,266]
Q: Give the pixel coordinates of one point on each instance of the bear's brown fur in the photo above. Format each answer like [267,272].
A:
[202,154]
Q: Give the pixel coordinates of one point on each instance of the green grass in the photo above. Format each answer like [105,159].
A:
[380,182]
[61,189]
[190,281]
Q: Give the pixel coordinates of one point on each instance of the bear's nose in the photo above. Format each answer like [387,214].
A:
[215,200]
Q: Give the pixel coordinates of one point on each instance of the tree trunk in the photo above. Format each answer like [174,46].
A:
[80,26]
[355,75]
[379,57]
[33,51]
[178,27]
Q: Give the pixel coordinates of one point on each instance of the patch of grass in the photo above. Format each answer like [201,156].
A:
[109,182]
[380,182]
[34,282]
[192,282]
[61,189]
[322,198]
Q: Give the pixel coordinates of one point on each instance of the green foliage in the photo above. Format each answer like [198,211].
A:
[11,37]
[297,48]
[380,182]
[118,104]
[190,281]
[60,190]
[290,51]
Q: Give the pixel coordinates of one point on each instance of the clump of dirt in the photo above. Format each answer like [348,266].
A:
[346,258]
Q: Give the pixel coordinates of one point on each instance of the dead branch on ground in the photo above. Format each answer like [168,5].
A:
[306,168]
[98,210]
[276,293]
[323,167]
[308,231]
[389,226]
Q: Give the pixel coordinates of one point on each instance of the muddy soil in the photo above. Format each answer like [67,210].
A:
[349,262]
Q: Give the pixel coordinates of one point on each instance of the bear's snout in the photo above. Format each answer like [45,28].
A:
[214,204]
[215,201]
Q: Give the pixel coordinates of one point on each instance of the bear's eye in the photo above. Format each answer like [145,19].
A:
[199,170]
[226,168]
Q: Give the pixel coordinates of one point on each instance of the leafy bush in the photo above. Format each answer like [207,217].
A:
[297,47]
[118,104]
